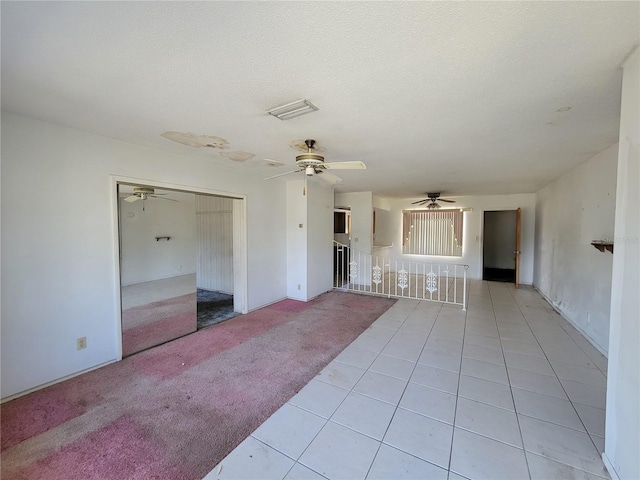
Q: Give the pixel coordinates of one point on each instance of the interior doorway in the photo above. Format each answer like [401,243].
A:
[501,246]
[214,266]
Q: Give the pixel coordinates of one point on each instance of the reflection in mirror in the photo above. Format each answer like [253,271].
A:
[158,245]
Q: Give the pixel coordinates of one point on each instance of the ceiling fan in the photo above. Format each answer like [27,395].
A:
[143,193]
[432,200]
[313,164]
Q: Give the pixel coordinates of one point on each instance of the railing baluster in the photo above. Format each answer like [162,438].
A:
[354,272]
[464,289]
[455,284]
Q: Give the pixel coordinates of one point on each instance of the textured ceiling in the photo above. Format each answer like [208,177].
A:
[456,97]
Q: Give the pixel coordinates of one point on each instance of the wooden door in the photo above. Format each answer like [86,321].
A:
[517,250]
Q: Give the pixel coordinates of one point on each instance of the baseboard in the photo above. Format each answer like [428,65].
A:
[572,323]
[267,304]
[609,466]
[53,382]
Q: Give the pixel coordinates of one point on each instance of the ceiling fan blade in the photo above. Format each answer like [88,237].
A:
[421,202]
[132,198]
[162,198]
[356,165]
[273,163]
[329,177]
[286,173]
[446,200]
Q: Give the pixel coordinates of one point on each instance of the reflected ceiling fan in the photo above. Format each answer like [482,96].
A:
[144,193]
[313,164]
[432,200]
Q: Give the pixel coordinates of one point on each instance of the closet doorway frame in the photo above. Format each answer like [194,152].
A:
[240,254]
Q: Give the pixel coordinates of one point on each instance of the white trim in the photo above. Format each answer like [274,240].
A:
[115,228]
[240,255]
[272,303]
[609,466]
[175,186]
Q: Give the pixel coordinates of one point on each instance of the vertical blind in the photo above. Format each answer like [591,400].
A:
[429,232]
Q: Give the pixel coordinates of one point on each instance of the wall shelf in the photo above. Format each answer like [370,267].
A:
[602,246]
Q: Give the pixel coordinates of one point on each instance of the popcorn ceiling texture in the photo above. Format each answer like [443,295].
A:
[458,97]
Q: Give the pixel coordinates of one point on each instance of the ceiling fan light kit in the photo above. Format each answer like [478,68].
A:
[293,109]
[311,164]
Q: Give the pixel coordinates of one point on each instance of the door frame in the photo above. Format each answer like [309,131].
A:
[518,211]
[240,241]
[517,251]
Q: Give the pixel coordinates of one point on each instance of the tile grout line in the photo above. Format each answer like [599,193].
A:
[403,391]
[515,411]
[586,431]
[455,410]
[349,391]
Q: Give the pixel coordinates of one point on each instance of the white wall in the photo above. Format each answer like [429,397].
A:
[214,226]
[145,259]
[472,233]
[571,212]
[320,238]
[58,224]
[309,239]
[297,233]
[622,436]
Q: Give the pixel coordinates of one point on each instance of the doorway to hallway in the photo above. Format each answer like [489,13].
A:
[501,246]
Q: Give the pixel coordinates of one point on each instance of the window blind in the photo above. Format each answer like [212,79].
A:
[432,232]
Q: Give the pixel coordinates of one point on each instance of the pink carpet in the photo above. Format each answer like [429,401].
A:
[174,411]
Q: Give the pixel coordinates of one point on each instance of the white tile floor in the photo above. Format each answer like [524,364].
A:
[506,390]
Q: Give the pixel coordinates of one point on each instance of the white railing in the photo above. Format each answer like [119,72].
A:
[357,271]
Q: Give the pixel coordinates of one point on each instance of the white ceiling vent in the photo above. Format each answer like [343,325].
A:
[293,109]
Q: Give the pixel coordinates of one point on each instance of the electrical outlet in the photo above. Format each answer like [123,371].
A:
[81,343]
[299,287]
